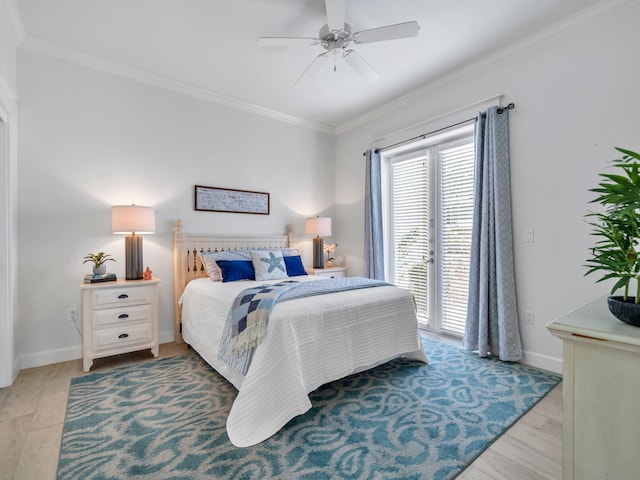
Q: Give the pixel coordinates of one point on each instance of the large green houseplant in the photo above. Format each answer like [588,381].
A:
[616,255]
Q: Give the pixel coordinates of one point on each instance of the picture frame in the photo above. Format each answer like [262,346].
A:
[231,200]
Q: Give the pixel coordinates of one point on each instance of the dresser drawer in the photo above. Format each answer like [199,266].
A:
[125,315]
[111,297]
[127,335]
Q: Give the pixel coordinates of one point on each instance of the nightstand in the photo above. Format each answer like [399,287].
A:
[331,272]
[118,317]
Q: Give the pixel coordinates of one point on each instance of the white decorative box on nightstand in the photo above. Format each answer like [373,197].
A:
[118,317]
[331,272]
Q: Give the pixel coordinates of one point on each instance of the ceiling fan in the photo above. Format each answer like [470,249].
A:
[336,36]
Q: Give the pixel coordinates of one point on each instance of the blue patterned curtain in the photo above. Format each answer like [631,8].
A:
[373,246]
[492,316]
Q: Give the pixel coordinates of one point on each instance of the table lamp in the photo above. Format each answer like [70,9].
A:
[133,220]
[320,227]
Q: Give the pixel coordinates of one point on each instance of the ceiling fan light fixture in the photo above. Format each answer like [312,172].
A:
[336,37]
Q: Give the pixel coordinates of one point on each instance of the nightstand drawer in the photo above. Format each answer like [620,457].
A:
[127,335]
[330,274]
[115,316]
[110,297]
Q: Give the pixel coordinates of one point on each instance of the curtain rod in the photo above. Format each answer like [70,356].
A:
[511,106]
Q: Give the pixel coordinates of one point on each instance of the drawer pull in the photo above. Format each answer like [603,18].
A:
[123,335]
[123,295]
[123,315]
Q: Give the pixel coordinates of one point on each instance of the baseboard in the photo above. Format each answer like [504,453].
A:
[543,362]
[48,357]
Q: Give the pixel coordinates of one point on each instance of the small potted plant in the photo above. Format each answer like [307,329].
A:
[98,260]
[616,255]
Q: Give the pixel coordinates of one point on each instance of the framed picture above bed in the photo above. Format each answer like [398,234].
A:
[216,199]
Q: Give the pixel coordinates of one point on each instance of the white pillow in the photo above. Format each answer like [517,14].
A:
[268,264]
[211,267]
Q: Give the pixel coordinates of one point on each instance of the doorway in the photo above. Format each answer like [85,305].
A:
[429,220]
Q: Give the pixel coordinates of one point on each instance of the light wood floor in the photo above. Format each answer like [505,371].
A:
[32,414]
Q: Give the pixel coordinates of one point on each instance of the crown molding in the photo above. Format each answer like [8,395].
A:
[114,68]
[558,29]
[15,19]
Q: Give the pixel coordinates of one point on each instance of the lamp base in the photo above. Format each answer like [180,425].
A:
[133,257]
[318,252]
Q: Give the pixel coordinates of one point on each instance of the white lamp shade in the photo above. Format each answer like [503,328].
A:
[320,226]
[128,219]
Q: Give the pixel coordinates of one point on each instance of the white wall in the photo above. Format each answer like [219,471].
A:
[8,44]
[9,364]
[577,97]
[90,140]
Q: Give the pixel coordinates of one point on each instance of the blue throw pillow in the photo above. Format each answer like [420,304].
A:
[209,261]
[294,266]
[233,270]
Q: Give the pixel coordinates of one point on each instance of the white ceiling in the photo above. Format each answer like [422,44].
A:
[211,44]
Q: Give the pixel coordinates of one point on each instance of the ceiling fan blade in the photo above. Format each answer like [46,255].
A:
[360,65]
[336,13]
[286,41]
[313,67]
[389,32]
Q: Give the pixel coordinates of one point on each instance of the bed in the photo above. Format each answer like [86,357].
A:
[309,341]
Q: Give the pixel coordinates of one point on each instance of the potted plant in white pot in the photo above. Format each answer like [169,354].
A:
[98,260]
[616,255]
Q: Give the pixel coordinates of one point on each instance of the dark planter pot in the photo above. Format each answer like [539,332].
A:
[628,311]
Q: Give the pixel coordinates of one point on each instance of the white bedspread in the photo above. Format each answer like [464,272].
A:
[310,341]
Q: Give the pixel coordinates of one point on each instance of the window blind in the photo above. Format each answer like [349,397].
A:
[409,229]
[456,211]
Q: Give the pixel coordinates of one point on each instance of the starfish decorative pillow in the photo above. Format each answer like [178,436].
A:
[268,264]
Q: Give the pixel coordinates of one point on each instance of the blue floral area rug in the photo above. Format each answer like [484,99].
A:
[165,419]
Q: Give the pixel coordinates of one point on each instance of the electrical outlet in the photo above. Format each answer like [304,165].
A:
[72,314]
[528,317]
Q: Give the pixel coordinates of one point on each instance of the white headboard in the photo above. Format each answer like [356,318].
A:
[187,265]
